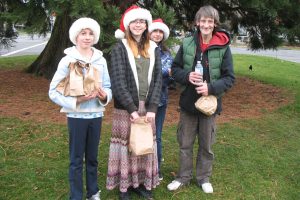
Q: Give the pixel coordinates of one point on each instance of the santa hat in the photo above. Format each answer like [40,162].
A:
[160,25]
[132,13]
[83,23]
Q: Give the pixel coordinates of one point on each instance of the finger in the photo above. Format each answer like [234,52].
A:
[132,119]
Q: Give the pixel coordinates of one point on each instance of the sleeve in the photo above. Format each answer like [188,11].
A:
[166,63]
[178,72]
[106,84]
[118,78]
[227,78]
[157,84]
[58,98]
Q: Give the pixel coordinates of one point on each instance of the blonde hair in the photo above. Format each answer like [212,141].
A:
[139,48]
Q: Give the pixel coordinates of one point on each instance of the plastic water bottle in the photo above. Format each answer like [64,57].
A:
[199,69]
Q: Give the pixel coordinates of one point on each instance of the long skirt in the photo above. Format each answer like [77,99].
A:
[124,169]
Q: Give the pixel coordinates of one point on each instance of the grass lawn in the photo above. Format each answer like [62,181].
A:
[254,158]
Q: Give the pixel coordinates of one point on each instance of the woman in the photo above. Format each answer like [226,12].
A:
[136,84]
[86,69]
[159,32]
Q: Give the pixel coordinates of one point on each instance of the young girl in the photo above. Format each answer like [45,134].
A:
[136,84]
[81,86]
[159,32]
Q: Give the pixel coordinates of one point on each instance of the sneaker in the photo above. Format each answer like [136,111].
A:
[124,195]
[95,196]
[160,178]
[174,185]
[207,188]
[143,192]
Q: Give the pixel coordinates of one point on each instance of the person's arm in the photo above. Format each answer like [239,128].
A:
[154,99]
[105,93]
[58,98]
[166,62]
[118,78]
[227,76]
[178,72]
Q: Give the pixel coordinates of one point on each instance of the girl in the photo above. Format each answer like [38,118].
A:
[81,86]
[159,33]
[136,84]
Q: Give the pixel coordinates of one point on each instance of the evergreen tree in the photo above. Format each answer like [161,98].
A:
[267,23]
[7,31]
[36,15]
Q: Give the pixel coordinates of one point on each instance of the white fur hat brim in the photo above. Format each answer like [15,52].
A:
[139,13]
[119,34]
[160,26]
[84,23]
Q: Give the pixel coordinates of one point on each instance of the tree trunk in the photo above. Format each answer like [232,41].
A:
[46,63]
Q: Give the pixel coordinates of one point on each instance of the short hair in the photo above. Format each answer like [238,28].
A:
[208,11]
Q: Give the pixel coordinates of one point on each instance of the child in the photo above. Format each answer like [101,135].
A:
[159,33]
[136,84]
[81,86]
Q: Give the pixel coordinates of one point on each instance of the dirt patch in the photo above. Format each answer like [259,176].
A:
[25,96]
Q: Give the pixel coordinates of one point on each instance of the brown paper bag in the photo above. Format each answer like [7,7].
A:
[207,104]
[141,137]
[77,84]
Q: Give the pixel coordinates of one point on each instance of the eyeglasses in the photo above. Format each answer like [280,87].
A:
[139,21]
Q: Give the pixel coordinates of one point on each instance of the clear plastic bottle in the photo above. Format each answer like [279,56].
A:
[199,69]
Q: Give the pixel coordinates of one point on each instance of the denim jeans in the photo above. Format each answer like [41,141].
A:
[159,121]
[84,137]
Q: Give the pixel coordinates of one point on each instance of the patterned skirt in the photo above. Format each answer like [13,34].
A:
[125,169]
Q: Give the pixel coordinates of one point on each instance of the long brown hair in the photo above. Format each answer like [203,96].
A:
[139,48]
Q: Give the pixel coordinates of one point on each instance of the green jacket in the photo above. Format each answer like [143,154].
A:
[215,58]
[218,68]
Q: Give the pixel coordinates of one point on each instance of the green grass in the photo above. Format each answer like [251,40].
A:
[16,62]
[255,158]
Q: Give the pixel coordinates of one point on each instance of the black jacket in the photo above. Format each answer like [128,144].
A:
[123,83]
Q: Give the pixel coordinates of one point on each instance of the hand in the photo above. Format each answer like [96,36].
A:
[150,117]
[101,94]
[170,72]
[202,89]
[134,116]
[195,78]
[87,97]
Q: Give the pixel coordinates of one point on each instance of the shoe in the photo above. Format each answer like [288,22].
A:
[124,195]
[174,185]
[143,192]
[95,196]
[207,188]
[160,177]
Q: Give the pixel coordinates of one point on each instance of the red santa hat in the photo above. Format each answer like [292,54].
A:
[160,25]
[83,23]
[132,13]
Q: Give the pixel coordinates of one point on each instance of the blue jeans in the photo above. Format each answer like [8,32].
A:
[84,137]
[159,121]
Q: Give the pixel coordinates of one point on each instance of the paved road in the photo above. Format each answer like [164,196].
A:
[284,54]
[27,45]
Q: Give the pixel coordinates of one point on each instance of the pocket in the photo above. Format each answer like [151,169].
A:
[213,130]
[179,133]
